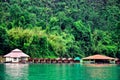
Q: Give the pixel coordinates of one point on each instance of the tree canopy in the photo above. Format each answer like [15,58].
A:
[60,28]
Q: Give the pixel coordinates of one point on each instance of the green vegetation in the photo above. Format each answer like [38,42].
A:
[60,28]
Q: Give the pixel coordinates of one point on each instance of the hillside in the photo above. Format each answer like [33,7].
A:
[60,28]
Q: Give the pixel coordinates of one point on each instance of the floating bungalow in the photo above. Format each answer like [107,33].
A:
[77,59]
[71,60]
[16,55]
[117,61]
[48,60]
[59,60]
[99,59]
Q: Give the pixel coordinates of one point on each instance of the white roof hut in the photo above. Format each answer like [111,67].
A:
[16,55]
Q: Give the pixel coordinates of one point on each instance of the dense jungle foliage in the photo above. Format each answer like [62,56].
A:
[60,28]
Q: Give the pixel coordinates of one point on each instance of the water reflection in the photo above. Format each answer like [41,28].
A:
[2,71]
[72,72]
[101,71]
[54,72]
[100,65]
[59,72]
[16,71]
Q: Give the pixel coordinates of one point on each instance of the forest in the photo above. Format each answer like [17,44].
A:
[60,28]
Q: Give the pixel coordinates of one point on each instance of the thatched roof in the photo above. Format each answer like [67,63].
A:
[16,53]
[98,56]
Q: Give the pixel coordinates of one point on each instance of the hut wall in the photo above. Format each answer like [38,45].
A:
[8,59]
[15,59]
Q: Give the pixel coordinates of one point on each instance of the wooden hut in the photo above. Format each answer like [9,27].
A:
[48,60]
[30,60]
[42,60]
[117,61]
[35,60]
[65,60]
[98,59]
[59,60]
[70,60]
[16,55]
[53,61]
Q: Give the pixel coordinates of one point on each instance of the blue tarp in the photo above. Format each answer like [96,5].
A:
[77,58]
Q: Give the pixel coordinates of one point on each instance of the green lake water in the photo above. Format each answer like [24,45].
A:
[59,72]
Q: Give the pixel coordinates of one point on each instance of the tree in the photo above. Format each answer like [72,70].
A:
[3,41]
[102,43]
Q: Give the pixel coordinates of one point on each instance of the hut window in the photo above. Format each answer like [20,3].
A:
[15,59]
